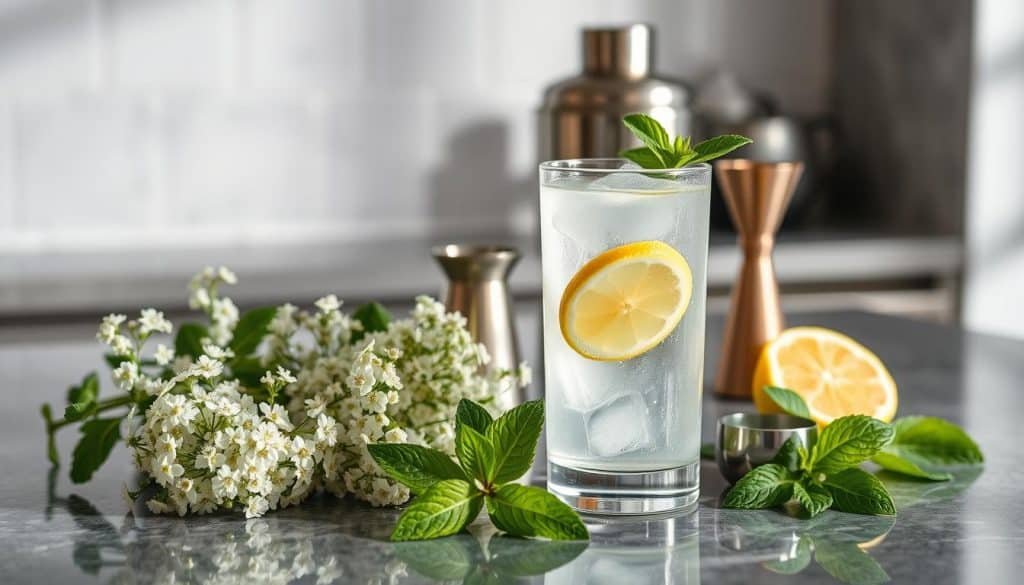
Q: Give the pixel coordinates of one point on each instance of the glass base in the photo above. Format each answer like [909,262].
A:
[664,492]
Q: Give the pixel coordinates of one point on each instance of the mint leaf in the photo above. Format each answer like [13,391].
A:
[99,436]
[446,559]
[476,454]
[651,133]
[929,441]
[189,340]
[644,156]
[517,557]
[373,317]
[444,509]
[514,436]
[473,415]
[718,146]
[251,328]
[848,441]
[766,486]
[898,464]
[857,491]
[415,466]
[788,455]
[790,402]
[848,563]
[532,511]
[814,498]
[795,563]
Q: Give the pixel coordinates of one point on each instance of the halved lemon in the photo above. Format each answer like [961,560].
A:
[625,301]
[834,374]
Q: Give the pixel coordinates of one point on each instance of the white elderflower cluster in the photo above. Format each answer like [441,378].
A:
[218,435]
[222,311]
[401,385]
[207,445]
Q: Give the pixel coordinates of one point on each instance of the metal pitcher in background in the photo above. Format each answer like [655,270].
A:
[478,288]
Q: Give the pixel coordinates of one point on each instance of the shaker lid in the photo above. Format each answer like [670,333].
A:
[618,51]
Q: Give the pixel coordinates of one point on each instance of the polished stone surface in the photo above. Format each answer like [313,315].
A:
[970,530]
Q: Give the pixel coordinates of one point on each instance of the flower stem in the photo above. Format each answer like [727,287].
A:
[113,402]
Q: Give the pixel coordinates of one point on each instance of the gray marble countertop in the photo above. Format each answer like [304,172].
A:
[970,530]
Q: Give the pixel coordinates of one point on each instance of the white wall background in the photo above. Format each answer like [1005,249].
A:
[994,292]
[133,124]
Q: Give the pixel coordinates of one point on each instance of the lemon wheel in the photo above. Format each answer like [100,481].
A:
[625,301]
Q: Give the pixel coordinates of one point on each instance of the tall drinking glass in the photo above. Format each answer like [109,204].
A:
[624,254]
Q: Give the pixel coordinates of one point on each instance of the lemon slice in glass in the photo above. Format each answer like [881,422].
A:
[625,301]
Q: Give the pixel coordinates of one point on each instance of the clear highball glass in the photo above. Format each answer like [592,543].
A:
[624,258]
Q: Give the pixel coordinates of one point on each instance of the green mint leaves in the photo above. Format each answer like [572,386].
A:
[829,475]
[661,152]
[826,477]
[848,441]
[491,454]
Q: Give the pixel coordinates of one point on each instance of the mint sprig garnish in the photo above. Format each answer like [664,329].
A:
[829,475]
[661,152]
[491,454]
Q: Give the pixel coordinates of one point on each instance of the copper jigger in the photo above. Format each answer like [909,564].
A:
[756,194]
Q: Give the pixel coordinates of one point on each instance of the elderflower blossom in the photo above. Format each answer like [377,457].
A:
[209,441]
[401,385]
[215,447]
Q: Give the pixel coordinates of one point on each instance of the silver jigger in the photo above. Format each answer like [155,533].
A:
[478,288]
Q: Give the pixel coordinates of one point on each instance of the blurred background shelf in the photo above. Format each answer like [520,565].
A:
[904,275]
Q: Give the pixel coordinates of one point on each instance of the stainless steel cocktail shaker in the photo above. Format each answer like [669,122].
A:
[581,117]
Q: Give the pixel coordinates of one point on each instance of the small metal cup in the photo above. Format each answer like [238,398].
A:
[748,440]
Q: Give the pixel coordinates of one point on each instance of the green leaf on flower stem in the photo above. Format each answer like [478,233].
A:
[248,370]
[848,563]
[87,390]
[814,498]
[415,466]
[99,436]
[473,415]
[476,454]
[251,328]
[898,464]
[766,486]
[643,156]
[848,441]
[82,398]
[794,564]
[790,402]
[929,441]
[444,509]
[51,443]
[859,492]
[788,455]
[189,341]
[718,146]
[532,511]
[514,436]
[518,557]
[373,317]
